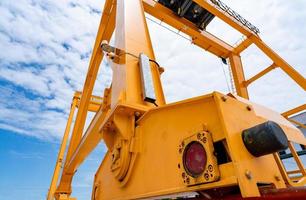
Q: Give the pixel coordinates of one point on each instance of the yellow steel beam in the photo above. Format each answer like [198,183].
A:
[94,103]
[202,39]
[290,71]
[92,136]
[89,141]
[299,79]
[297,159]
[238,75]
[294,111]
[297,123]
[225,17]
[61,152]
[260,74]
[132,35]
[242,46]
[94,106]
[105,31]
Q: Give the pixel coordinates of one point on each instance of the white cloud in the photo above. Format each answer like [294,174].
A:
[45,49]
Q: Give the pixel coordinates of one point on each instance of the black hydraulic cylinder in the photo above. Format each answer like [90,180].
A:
[265,139]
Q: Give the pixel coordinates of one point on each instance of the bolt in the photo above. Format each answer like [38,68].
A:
[248,174]
[249,108]
[206,176]
[188,180]
[277,178]
[210,168]
[183,175]
[137,114]
[205,127]
[224,98]
[179,166]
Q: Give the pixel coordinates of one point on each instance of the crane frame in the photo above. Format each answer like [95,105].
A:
[123,105]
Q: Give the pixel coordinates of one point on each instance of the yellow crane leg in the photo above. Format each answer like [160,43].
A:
[61,152]
[92,136]
[238,75]
[105,32]
[132,36]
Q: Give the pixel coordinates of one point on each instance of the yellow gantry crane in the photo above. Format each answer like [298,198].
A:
[208,147]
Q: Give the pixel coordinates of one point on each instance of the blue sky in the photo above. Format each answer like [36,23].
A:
[45,48]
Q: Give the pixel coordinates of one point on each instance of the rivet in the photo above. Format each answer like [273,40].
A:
[137,114]
[249,108]
[248,174]
[188,180]
[224,98]
[210,168]
[206,176]
[277,178]
[183,144]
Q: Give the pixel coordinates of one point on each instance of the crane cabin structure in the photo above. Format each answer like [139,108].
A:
[208,147]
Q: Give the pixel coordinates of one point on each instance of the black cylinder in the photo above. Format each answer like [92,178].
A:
[265,139]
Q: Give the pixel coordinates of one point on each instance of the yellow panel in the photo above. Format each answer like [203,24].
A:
[159,134]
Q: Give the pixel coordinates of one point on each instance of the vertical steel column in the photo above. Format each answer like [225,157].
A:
[133,37]
[105,31]
[238,75]
[61,152]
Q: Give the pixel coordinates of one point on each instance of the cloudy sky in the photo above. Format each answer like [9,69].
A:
[45,47]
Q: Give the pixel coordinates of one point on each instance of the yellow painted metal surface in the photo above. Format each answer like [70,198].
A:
[155,171]
[144,138]
[60,157]
[238,75]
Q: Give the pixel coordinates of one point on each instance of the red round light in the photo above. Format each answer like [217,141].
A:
[194,159]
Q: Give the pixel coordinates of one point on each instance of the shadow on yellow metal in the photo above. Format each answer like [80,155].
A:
[144,138]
